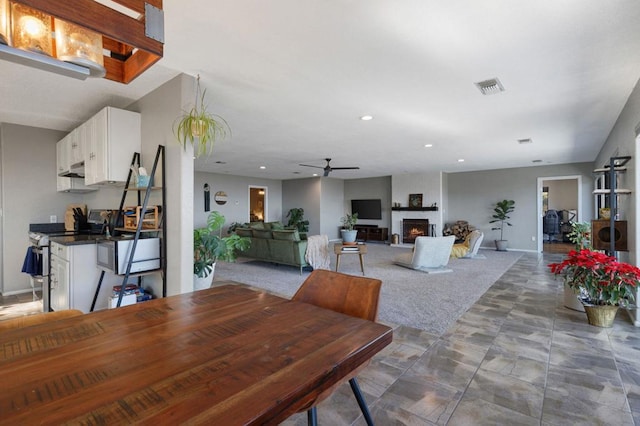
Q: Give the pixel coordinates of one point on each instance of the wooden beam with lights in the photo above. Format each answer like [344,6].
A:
[132,51]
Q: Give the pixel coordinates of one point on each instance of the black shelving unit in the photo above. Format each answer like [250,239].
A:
[143,202]
[616,165]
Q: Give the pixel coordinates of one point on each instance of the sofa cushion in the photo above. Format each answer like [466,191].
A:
[273,225]
[244,232]
[256,225]
[289,235]
[261,233]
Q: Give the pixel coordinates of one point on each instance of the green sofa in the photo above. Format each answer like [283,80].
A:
[270,242]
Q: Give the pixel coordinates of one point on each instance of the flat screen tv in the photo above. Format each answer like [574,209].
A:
[367,209]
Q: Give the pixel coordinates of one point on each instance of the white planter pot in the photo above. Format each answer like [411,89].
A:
[571,299]
[202,283]
[348,236]
[501,245]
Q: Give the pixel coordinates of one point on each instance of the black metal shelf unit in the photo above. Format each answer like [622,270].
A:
[616,165]
[159,161]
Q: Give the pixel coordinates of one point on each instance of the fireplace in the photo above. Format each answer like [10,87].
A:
[412,228]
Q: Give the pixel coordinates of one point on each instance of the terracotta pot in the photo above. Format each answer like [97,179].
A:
[601,315]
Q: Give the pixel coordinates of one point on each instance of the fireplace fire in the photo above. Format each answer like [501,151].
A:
[412,228]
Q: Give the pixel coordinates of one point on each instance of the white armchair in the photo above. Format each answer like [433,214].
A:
[430,255]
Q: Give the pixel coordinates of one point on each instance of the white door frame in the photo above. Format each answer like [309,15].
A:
[578,178]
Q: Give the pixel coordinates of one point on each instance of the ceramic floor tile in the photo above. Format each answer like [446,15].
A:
[472,334]
[511,364]
[508,392]
[413,337]
[600,363]
[591,387]
[561,409]
[477,412]
[523,347]
[431,401]
[378,376]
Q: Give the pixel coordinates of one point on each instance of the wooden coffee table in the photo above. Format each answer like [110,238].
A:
[359,249]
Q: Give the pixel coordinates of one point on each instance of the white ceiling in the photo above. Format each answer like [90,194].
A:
[292,78]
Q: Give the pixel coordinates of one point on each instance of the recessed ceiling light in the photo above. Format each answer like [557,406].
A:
[315,174]
[263,167]
[490,87]
[525,141]
[428,145]
[460,160]
[366,117]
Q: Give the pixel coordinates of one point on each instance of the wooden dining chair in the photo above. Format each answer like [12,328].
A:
[349,295]
[39,318]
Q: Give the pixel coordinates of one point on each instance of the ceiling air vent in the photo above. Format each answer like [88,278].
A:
[490,87]
[525,141]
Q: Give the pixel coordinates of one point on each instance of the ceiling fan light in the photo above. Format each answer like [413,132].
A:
[80,46]
[31,29]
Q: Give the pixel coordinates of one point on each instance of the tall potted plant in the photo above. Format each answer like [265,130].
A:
[199,127]
[501,216]
[580,236]
[297,220]
[209,246]
[348,233]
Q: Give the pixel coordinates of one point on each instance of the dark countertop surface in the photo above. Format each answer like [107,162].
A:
[74,240]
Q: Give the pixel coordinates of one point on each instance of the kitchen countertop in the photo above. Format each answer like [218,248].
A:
[74,240]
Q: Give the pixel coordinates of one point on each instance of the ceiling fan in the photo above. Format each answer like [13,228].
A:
[328,169]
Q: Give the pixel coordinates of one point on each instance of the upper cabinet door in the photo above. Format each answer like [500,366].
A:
[116,136]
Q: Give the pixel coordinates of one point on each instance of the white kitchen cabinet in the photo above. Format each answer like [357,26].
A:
[75,146]
[74,278]
[62,155]
[115,137]
[59,282]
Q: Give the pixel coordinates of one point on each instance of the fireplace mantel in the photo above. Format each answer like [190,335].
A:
[415,209]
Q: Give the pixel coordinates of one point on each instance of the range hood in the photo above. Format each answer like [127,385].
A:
[75,170]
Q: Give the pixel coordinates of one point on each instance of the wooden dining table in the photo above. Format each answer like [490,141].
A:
[228,355]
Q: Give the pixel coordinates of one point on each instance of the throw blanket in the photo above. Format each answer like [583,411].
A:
[317,254]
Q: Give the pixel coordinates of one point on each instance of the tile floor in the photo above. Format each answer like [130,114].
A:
[516,357]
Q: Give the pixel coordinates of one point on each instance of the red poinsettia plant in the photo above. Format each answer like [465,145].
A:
[600,278]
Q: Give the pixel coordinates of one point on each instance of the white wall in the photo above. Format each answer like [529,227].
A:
[368,189]
[472,196]
[430,185]
[159,110]
[305,194]
[28,181]
[332,207]
[237,188]
[563,194]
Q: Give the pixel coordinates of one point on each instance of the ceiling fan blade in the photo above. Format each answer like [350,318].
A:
[309,165]
[345,168]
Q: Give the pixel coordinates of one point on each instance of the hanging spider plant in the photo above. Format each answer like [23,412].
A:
[199,127]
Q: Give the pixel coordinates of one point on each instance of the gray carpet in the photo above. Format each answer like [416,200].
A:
[430,302]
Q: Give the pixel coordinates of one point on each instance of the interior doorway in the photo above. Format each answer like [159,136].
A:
[558,204]
[257,204]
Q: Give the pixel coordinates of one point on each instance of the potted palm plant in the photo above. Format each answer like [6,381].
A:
[199,127]
[209,246]
[348,233]
[501,213]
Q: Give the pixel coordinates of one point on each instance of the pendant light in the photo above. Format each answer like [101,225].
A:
[80,46]
[4,22]
[31,30]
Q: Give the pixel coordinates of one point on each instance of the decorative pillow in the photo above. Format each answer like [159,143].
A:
[275,225]
[261,233]
[289,235]
[244,232]
[256,225]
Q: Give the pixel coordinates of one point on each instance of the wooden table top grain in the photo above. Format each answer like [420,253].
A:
[229,355]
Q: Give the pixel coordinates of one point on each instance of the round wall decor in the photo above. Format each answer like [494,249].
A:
[220,197]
